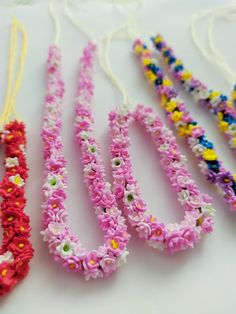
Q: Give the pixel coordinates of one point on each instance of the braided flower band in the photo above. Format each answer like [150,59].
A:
[219,104]
[16,250]
[187,127]
[65,246]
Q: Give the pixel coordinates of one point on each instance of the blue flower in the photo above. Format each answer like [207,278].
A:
[205,143]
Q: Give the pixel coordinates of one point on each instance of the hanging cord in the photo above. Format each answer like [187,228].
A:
[12,91]
[103,50]
[213,56]
[56,23]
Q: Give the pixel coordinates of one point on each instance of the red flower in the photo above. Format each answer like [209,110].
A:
[10,217]
[16,203]
[19,245]
[6,277]
[22,228]
[22,263]
[8,235]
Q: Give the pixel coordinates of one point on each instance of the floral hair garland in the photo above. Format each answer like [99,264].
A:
[198,211]
[187,127]
[16,250]
[65,246]
[219,104]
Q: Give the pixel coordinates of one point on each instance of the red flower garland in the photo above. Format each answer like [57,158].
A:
[16,250]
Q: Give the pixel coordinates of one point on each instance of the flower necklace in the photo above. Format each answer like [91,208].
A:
[16,250]
[221,107]
[197,208]
[65,246]
[198,211]
[187,127]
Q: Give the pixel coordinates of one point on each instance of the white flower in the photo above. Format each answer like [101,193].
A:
[187,84]
[84,135]
[129,197]
[17,180]
[183,196]
[117,162]
[184,180]
[231,129]
[215,101]
[122,259]
[172,227]
[66,248]
[203,167]
[12,162]
[193,141]
[6,257]
[92,149]
[150,119]
[164,147]
[198,149]
[208,209]
[155,245]
[54,181]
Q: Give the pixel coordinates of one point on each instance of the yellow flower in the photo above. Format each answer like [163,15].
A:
[233,142]
[147,61]
[178,62]
[171,105]
[214,95]
[223,126]
[167,82]
[229,103]
[234,175]
[151,76]
[233,95]
[182,131]
[220,116]
[186,75]
[209,154]
[138,49]
[158,39]
[163,100]
[176,116]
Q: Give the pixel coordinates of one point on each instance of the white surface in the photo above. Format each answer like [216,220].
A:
[199,281]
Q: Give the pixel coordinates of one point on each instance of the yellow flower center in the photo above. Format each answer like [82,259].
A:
[10,218]
[72,265]
[91,262]
[4,272]
[114,244]
[9,190]
[21,245]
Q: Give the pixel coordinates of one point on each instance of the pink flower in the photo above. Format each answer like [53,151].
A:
[207,225]
[144,230]
[175,242]
[91,261]
[158,234]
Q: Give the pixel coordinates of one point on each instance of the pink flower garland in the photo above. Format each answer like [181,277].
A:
[198,211]
[66,247]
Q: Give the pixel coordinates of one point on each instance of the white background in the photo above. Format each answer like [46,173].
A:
[198,281]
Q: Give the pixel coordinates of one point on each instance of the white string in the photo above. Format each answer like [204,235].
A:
[213,56]
[105,65]
[219,59]
[55,22]
[104,44]
[75,22]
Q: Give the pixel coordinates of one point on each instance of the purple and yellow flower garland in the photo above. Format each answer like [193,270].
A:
[219,104]
[187,127]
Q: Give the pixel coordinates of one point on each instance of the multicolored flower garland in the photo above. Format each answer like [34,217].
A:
[66,247]
[219,104]
[187,127]
[16,250]
[198,211]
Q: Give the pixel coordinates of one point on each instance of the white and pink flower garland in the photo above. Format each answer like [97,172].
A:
[198,211]
[65,246]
